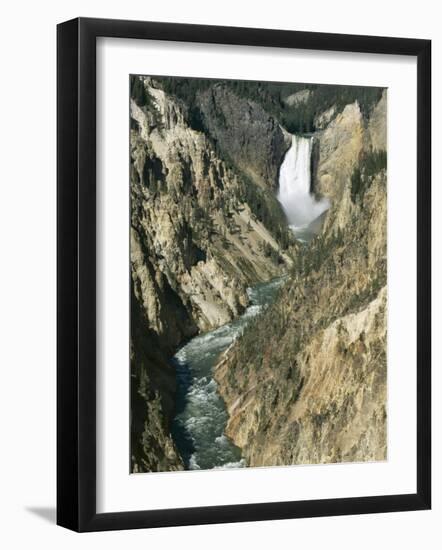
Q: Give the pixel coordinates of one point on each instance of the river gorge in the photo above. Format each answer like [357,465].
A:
[198,428]
[258,274]
[199,425]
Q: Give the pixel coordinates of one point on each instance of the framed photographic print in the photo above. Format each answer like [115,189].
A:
[243,274]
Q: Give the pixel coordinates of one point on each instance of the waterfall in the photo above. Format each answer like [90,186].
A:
[300,206]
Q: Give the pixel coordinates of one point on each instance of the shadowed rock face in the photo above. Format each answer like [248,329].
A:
[310,374]
[153,387]
[196,245]
[245,134]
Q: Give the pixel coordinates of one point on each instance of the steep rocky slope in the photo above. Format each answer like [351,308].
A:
[200,235]
[247,135]
[152,389]
[306,382]
[341,146]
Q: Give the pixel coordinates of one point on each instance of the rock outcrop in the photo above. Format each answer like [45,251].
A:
[341,147]
[298,97]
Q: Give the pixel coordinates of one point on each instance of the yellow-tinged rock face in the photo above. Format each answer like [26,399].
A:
[377,126]
[340,146]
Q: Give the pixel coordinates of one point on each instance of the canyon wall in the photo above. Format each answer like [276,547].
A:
[202,231]
[306,381]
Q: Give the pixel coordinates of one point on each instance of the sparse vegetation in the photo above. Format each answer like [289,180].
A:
[370,165]
[138,92]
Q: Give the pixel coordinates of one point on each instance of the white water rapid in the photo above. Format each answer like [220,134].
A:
[300,206]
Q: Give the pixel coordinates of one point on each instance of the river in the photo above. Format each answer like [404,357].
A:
[201,416]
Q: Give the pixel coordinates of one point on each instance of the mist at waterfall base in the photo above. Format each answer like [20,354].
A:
[300,206]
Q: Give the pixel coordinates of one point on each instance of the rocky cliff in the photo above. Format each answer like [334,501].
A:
[254,141]
[306,382]
[204,227]
[341,147]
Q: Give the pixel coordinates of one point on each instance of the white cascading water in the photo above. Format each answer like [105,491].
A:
[300,207]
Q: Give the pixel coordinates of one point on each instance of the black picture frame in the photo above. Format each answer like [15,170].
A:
[76,274]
